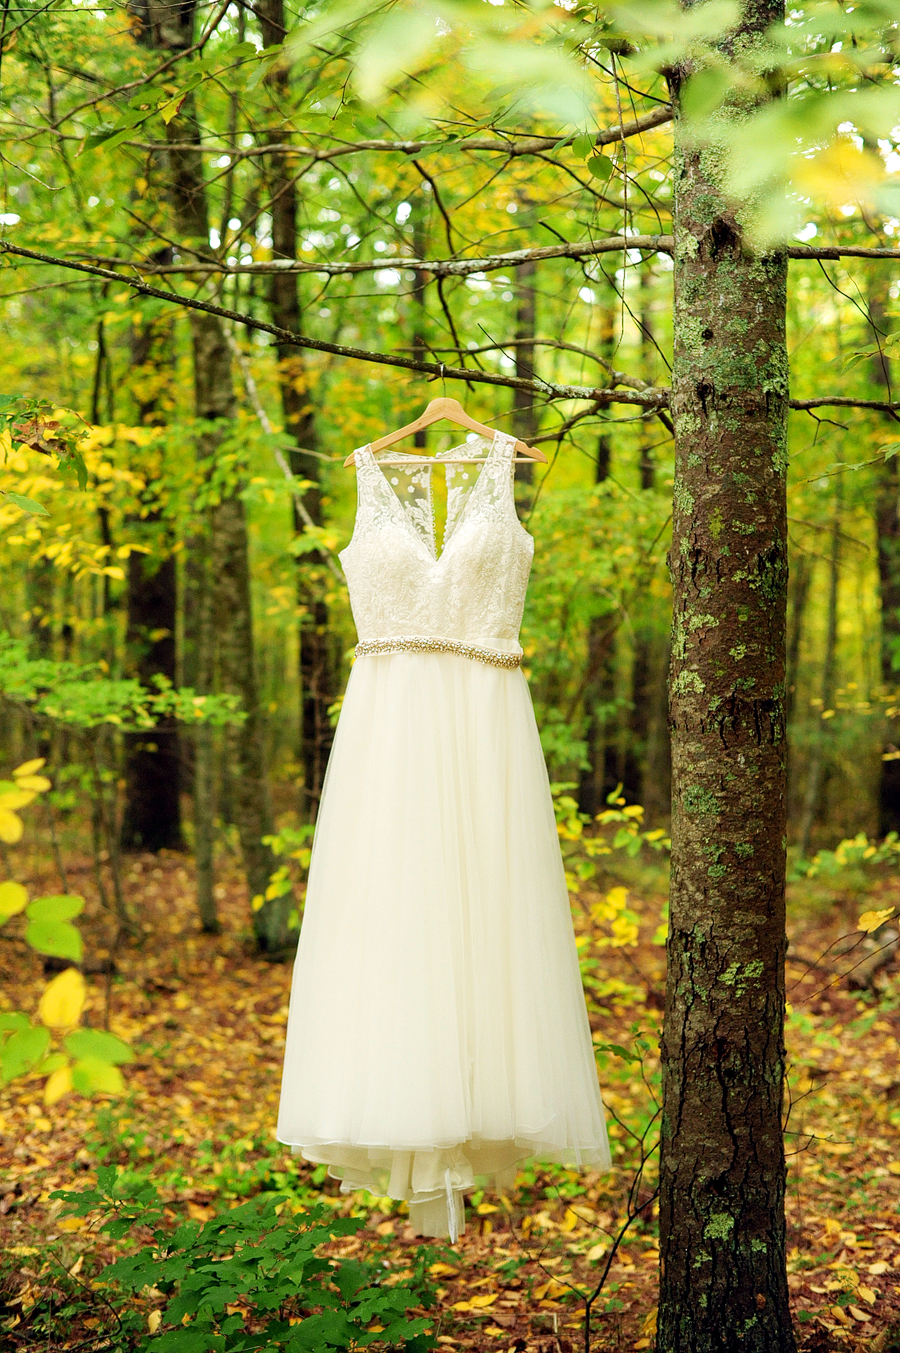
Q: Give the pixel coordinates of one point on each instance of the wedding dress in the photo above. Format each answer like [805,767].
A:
[437,1028]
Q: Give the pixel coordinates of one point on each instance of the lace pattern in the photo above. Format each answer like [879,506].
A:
[474,590]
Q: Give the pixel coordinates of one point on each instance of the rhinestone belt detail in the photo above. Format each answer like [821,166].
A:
[372,647]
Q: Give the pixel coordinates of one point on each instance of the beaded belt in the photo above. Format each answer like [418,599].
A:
[372,647]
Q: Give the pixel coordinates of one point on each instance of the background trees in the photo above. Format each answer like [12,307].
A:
[371,193]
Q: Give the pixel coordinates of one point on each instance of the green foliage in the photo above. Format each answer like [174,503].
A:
[851,853]
[252,1278]
[293,845]
[78,696]
[35,423]
[620,829]
[84,1060]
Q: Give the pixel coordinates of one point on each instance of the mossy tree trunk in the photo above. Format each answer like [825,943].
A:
[722,1174]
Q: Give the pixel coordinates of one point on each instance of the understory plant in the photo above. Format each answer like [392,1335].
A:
[251,1280]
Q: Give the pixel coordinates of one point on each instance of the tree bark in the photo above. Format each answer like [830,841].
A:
[229,572]
[151,818]
[818,761]
[722,1171]
[525,413]
[887,531]
[318,666]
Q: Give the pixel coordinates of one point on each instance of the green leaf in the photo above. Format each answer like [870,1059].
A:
[26,504]
[92,1074]
[705,92]
[11,1020]
[98,1044]
[600,166]
[56,908]
[59,939]
[22,1052]
[582,146]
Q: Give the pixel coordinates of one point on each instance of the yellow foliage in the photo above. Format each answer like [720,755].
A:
[29,767]
[13,899]
[63,1000]
[11,827]
[58,1084]
[871,920]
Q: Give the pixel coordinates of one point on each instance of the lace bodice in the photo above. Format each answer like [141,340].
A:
[474,590]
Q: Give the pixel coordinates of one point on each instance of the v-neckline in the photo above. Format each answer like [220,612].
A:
[435,558]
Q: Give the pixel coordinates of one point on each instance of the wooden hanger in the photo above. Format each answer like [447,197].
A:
[451,409]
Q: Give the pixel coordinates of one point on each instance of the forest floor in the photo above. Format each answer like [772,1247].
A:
[207,1018]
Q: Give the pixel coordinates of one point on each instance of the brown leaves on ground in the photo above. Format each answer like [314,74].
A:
[206,1019]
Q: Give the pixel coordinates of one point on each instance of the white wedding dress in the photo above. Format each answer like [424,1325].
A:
[437,1027]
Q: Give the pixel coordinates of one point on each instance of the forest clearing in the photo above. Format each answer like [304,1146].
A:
[450,542]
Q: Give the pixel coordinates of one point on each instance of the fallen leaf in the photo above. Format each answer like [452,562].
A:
[858,1314]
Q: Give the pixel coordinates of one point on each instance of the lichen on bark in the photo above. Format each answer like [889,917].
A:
[722,1177]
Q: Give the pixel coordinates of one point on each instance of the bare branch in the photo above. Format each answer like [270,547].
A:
[654,398]
[844,402]
[513,146]
[439,267]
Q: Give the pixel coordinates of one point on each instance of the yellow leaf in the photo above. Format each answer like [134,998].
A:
[16,798]
[648,1324]
[485,1209]
[10,827]
[38,783]
[858,1314]
[569,1221]
[154,1320]
[72,1224]
[880,1266]
[840,173]
[257,903]
[29,767]
[871,920]
[57,1085]
[894,1166]
[867,1293]
[549,1291]
[439,1269]
[13,899]
[63,1000]
[478,1303]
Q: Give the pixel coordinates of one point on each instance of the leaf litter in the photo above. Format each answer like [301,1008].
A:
[205,1019]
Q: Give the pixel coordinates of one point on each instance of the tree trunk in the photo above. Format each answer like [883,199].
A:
[525,414]
[151,818]
[722,1171]
[647,777]
[887,530]
[817,769]
[318,667]
[599,779]
[229,571]
[801,577]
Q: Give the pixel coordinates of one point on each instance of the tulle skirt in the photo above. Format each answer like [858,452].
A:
[437,1029]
